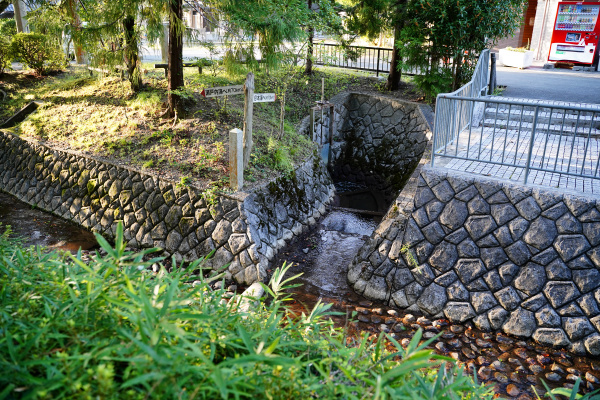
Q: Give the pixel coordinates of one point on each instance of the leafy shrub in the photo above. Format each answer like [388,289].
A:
[113,329]
[8,27]
[5,54]
[38,52]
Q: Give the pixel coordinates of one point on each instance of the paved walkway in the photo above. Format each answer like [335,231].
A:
[550,151]
[550,84]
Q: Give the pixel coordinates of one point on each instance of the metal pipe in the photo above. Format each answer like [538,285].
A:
[528,165]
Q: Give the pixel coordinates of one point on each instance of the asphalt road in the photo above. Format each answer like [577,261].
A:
[554,84]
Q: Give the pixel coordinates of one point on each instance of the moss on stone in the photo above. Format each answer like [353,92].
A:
[91,185]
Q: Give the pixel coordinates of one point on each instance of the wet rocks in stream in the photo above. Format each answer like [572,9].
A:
[510,365]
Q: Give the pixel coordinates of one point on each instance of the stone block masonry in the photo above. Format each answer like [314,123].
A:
[524,260]
[244,229]
[378,140]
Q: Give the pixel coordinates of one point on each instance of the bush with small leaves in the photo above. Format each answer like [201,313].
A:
[5,54]
[38,51]
[8,28]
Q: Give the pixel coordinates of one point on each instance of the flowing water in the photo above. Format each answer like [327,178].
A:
[38,227]
[513,367]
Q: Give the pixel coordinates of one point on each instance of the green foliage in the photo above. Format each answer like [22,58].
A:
[371,17]
[149,99]
[8,28]
[113,329]
[47,19]
[38,51]
[443,39]
[572,393]
[5,54]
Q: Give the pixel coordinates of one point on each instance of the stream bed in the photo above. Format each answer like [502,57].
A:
[39,228]
[513,367]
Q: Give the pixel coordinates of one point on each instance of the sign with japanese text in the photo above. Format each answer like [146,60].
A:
[264,97]
[223,91]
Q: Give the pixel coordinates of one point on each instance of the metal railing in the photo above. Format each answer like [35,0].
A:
[453,116]
[515,138]
[376,59]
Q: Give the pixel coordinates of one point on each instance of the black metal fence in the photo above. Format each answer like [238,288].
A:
[376,59]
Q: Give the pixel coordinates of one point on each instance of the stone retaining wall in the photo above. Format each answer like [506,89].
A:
[504,256]
[245,229]
[378,140]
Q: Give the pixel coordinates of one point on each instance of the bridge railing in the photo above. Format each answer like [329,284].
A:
[362,58]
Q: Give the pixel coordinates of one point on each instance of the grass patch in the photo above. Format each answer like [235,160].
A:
[103,116]
[113,329]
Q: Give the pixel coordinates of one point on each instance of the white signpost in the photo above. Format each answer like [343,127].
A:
[240,143]
[264,97]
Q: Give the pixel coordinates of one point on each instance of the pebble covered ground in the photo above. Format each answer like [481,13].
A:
[514,368]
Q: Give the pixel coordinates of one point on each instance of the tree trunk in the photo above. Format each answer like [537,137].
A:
[393,82]
[131,53]
[456,78]
[175,75]
[308,69]
[79,55]
[18,16]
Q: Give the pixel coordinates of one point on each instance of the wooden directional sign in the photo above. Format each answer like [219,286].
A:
[223,91]
[264,97]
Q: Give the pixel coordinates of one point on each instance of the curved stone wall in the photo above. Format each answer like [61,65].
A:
[505,256]
[378,140]
[244,229]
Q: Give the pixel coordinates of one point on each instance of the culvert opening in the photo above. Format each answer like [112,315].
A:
[376,144]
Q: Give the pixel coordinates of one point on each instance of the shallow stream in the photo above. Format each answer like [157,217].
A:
[513,367]
[37,227]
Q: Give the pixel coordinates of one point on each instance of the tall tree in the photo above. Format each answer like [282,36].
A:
[371,17]
[309,46]
[323,16]
[20,15]
[175,74]
[76,24]
[131,56]
[443,38]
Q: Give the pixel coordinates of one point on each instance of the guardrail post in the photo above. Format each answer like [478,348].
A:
[533,128]
[331,127]
[492,85]
[436,126]
[236,159]
[378,58]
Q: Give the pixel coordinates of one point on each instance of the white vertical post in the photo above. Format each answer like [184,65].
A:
[236,159]
[248,111]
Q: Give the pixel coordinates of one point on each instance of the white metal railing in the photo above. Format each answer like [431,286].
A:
[453,116]
[519,137]
[512,138]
